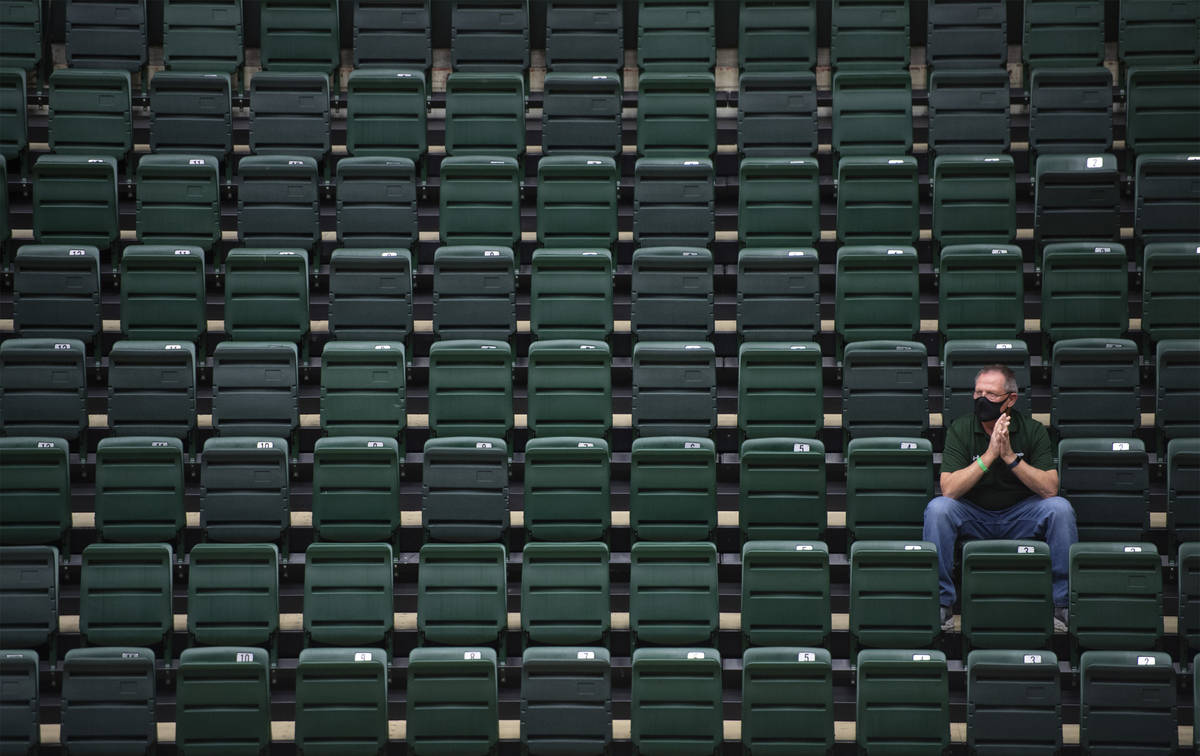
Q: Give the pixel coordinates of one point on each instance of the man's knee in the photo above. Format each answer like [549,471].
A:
[940,509]
[1058,507]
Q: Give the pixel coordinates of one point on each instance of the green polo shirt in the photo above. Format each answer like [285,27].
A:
[999,488]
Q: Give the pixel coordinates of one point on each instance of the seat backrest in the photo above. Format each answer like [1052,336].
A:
[968,111]
[244,489]
[673,202]
[392,33]
[75,201]
[1076,197]
[577,202]
[461,594]
[782,489]
[348,594]
[1159,33]
[152,388]
[203,35]
[233,679]
[1007,601]
[1183,488]
[489,35]
[1107,482]
[564,593]
[139,489]
[108,700]
[676,36]
[872,112]
[1062,34]
[300,35]
[877,201]
[966,35]
[676,700]
[777,110]
[107,34]
[90,112]
[43,388]
[672,594]
[1127,701]
[452,701]
[1170,280]
[779,203]
[385,114]
[474,293]
[1188,569]
[676,115]
[961,362]
[778,294]
[570,294]
[893,594]
[19,700]
[1176,397]
[1094,388]
[29,588]
[480,201]
[777,36]
[125,594]
[179,201]
[888,483]
[869,35]
[470,388]
[787,700]
[341,699]
[1116,596]
[356,488]
[671,294]
[266,294]
[370,294]
[974,200]
[673,489]
[885,389]
[581,114]
[1166,204]
[485,114]
[1161,105]
[981,291]
[464,489]
[1013,701]
[567,489]
[278,202]
[21,35]
[585,36]
[363,390]
[191,113]
[56,292]
[255,388]
[376,202]
[785,593]
[233,595]
[902,700]
[14,125]
[876,294]
[566,700]
[780,389]
[674,388]
[570,388]
[1070,110]
[35,490]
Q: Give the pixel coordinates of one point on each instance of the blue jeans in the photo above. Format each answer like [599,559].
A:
[1051,520]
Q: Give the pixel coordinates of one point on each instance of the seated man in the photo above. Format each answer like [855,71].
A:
[998,480]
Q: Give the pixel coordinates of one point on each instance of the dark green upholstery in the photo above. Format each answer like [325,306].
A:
[885,389]
[1170,279]
[869,35]
[453,707]
[674,388]
[106,34]
[1161,106]
[781,489]
[1076,197]
[676,36]
[777,110]
[893,594]
[223,701]
[266,294]
[570,294]
[564,593]
[363,391]
[348,594]
[278,202]
[1062,34]
[872,112]
[565,700]
[888,483]
[567,489]
[981,291]
[581,114]
[1166,204]
[779,203]
[974,200]
[1159,33]
[244,489]
[392,33]
[21,35]
[125,594]
[673,489]
[777,36]
[672,594]
[1107,481]
[1006,595]
[1183,488]
[13,112]
[203,35]
[299,35]
[1070,111]
[778,294]
[1094,388]
[191,113]
[673,202]
[1116,596]
[489,35]
[903,702]
[376,202]
[370,294]
[108,697]
[255,388]
[461,594]
[470,388]
[966,35]
[785,593]
[787,701]
[464,489]
[162,293]
[75,201]
[90,111]
[19,695]
[480,201]
[1188,570]
[780,389]
[474,293]
[56,293]
[962,360]
[179,201]
[29,588]
[35,490]
[671,294]
[341,701]
[877,293]
[233,595]
[152,388]
[1013,702]
[569,385]
[675,705]
[43,388]
[385,114]
[1127,703]
[676,115]
[139,489]
[356,488]
[968,111]
[877,201]
[585,36]
[577,202]
[485,114]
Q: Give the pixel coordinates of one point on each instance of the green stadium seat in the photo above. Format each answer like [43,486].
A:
[461,594]
[14,141]
[869,35]
[233,595]
[43,388]
[676,35]
[581,114]
[675,704]
[179,202]
[785,593]
[577,202]
[676,115]
[90,113]
[966,35]
[872,112]
[192,114]
[106,34]
[671,294]
[902,702]
[1161,107]
[1170,279]
[567,489]
[385,114]
[1183,488]
[203,35]
[485,114]
[489,35]
[464,489]
[139,489]
[223,701]
[1166,204]
[885,389]
[1095,389]
[244,489]
[35,505]
[570,294]
[569,386]
[348,594]
[962,361]
[363,389]
[255,388]
[341,701]
[370,294]
[1188,568]
[777,36]
[974,200]
[125,595]
[778,294]
[56,293]
[673,489]
[1062,34]
[75,201]
[289,114]
[1107,482]
[300,35]
[1076,197]
[29,587]
[981,292]
[779,202]
[152,388]
[888,483]
[564,594]
[777,110]
[278,202]
[893,595]
[1116,596]
[19,696]
[585,36]
[480,201]
[672,595]
[266,295]
[782,489]
[21,35]
[6,224]
[108,701]
[968,111]
[474,293]
[565,700]
[470,388]
[392,33]
[1013,702]
[673,202]
[1159,33]
[780,389]
[453,707]
[877,201]
[877,294]
[787,701]
[1085,288]
[1007,600]
[674,388]
[1070,111]
[356,488]
[1127,703]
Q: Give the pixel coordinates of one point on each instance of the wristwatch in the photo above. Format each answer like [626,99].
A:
[1015,462]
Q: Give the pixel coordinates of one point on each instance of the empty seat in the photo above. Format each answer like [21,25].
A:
[581,114]
[19,699]
[673,489]
[676,35]
[108,701]
[869,35]
[966,35]
[1116,596]
[152,388]
[363,389]
[566,702]
[56,293]
[203,35]
[585,36]
[1108,484]
[233,595]
[470,388]
[13,111]
[277,202]
[777,110]
[289,114]
[139,489]
[577,202]
[1160,33]
[391,33]
[672,595]
[968,111]
[1161,106]
[567,489]
[223,701]
[29,588]
[1070,111]
[341,701]
[474,293]
[1177,391]
[674,388]
[876,294]
[885,389]
[179,201]
[1166,204]
[877,201]
[106,34]
[356,488]
[785,593]
[1183,488]
[675,704]
[75,201]
[902,702]
[780,389]
[370,294]
[673,202]
[385,114]
[888,483]
[244,489]
[125,595]
[778,294]
[570,388]
[981,292]
[255,388]
[777,36]
[1062,34]
[452,701]
[564,593]
[1007,601]
[191,113]
[671,294]
[300,35]
[1085,288]
[1188,570]
[36,485]
[43,388]
[962,361]
[1013,702]
[872,112]
[676,115]
[779,202]
[485,114]
[461,594]
[464,489]
[21,35]
[1170,279]
[90,111]
[1076,197]
[1094,388]
[787,700]
[480,201]
[348,594]
[893,594]
[489,35]
[974,200]
[570,294]
[781,489]
[266,295]
[1127,702]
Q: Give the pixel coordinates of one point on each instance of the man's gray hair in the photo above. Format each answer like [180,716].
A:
[1010,378]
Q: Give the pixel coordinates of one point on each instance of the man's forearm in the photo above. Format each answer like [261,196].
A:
[958,483]
[1044,483]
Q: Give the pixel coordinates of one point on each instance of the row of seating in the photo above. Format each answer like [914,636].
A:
[222,702]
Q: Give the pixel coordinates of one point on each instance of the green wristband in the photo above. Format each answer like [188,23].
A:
[979,461]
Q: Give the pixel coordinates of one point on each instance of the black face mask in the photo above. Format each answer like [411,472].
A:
[987,411]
